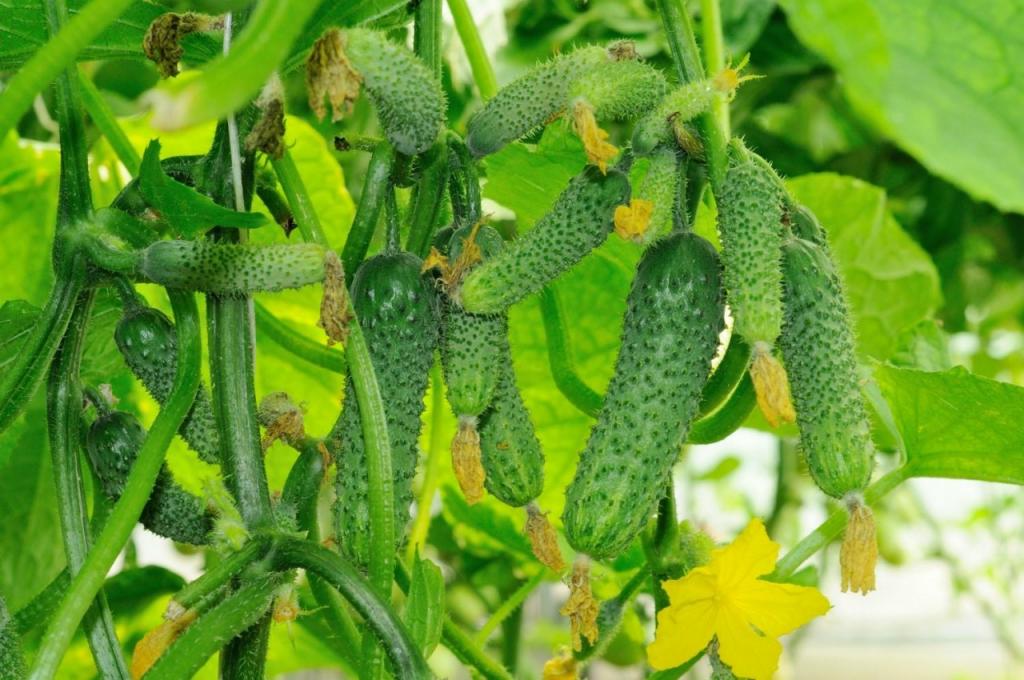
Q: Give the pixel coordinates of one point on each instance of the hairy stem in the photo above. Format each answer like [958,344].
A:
[298,199]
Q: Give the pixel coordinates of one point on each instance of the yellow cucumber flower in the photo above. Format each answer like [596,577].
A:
[727,599]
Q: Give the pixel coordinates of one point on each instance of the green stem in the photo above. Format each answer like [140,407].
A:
[103,118]
[227,621]
[784,469]
[727,375]
[427,35]
[55,56]
[727,419]
[463,183]
[483,72]
[364,597]
[221,573]
[511,604]
[432,466]
[564,373]
[298,199]
[298,344]
[427,199]
[713,42]
[375,185]
[610,616]
[138,486]
[832,527]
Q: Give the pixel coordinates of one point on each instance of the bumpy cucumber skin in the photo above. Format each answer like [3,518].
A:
[112,444]
[147,341]
[530,101]
[510,451]
[580,220]
[681,105]
[820,354]
[12,664]
[471,343]
[660,186]
[804,224]
[674,315]
[750,226]
[620,90]
[410,102]
[231,269]
[397,309]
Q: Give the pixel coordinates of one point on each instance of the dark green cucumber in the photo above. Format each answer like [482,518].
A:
[580,220]
[820,354]
[674,315]
[397,309]
[112,444]
[471,343]
[529,102]
[12,664]
[149,345]
[509,448]
[750,225]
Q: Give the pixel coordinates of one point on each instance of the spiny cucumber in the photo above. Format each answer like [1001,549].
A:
[835,433]
[231,269]
[149,345]
[113,443]
[579,222]
[12,664]
[397,309]
[648,216]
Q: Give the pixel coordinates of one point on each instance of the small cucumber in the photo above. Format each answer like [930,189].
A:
[149,345]
[619,90]
[674,315]
[112,444]
[580,220]
[397,309]
[231,269]
[818,348]
[12,664]
[529,102]
[649,215]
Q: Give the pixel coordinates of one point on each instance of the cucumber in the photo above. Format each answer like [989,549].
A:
[12,664]
[409,100]
[648,217]
[397,309]
[149,345]
[231,269]
[529,102]
[112,444]
[674,315]
[835,433]
[579,222]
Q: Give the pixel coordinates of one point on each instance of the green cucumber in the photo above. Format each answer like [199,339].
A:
[12,664]
[619,90]
[818,348]
[397,309]
[655,196]
[112,444]
[231,269]
[149,345]
[681,105]
[530,102]
[580,220]
[674,315]
[804,224]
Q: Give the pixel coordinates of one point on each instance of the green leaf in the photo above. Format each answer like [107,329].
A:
[16,320]
[424,608]
[942,78]
[187,211]
[891,282]
[956,424]
[483,527]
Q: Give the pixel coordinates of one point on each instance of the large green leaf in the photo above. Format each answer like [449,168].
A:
[942,78]
[956,424]
[891,281]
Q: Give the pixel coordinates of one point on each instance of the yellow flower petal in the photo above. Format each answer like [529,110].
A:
[698,584]
[682,632]
[749,654]
[752,554]
[778,608]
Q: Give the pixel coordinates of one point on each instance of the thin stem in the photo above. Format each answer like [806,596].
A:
[55,56]
[103,118]
[138,486]
[298,344]
[784,469]
[483,72]
[563,371]
[221,573]
[432,466]
[713,42]
[298,199]
[392,221]
[511,604]
[832,527]
[375,184]
[727,375]
[728,418]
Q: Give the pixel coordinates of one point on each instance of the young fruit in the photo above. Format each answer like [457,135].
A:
[835,433]
[750,223]
[409,101]
[12,664]
[397,309]
[112,444]
[579,222]
[231,269]
[149,345]
[531,101]
[648,216]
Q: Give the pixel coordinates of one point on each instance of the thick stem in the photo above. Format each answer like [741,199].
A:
[221,573]
[298,199]
[483,72]
[427,36]
[103,118]
[727,375]
[728,418]
[286,337]
[138,486]
[427,199]
[375,184]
